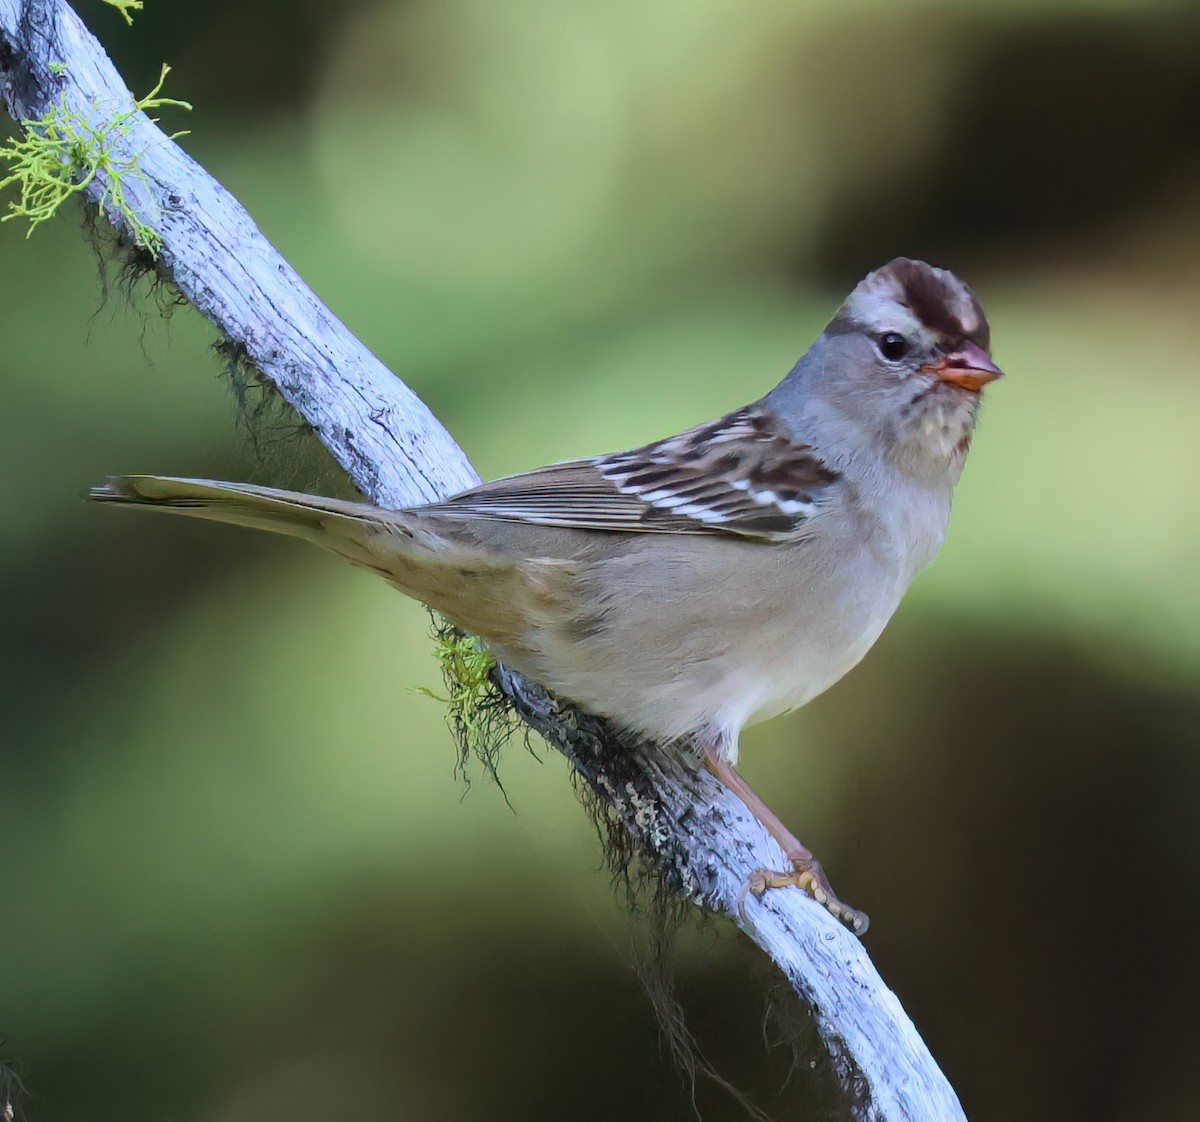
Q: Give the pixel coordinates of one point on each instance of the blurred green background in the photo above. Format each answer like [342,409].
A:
[240,879]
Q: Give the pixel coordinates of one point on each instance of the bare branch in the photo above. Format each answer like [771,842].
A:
[698,835]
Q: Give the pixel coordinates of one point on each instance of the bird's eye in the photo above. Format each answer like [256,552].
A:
[893,346]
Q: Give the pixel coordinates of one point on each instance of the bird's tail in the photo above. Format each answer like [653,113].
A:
[324,521]
[364,535]
[486,593]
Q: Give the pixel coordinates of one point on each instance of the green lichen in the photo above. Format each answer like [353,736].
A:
[63,153]
[466,665]
[480,716]
[125,7]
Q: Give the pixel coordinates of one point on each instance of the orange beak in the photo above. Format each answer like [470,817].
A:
[969,367]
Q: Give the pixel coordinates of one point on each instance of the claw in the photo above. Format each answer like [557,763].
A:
[809,878]
[806,872]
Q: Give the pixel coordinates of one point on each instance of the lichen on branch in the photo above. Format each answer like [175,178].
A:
[125,7]
[480,716]
[65,151]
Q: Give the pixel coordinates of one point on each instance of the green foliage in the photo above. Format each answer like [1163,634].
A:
[125,7]
[466,666]
[478,713]
[63,153]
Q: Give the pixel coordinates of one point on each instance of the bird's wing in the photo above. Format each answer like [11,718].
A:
[743,475]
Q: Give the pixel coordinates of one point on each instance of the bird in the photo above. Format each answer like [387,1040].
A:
[719,577]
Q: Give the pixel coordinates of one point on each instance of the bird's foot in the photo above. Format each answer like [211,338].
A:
[806,872]
[809,877]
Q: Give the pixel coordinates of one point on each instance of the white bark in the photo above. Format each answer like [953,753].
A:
[397,453]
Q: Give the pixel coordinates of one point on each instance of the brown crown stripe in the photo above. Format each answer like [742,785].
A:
[933,299]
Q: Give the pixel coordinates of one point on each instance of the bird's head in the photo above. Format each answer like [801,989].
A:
[904,360]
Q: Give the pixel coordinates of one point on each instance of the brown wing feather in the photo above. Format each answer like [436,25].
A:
[743,475]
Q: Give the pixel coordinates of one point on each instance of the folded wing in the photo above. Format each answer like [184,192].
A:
[743,475]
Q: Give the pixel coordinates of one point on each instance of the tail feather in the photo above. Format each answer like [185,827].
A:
[242,504]
[481,590]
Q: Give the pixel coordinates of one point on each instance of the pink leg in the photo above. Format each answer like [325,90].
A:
[806,872]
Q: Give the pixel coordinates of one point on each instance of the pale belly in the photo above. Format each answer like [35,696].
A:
[789,683]
[698,645]
[765,687]
[748,668]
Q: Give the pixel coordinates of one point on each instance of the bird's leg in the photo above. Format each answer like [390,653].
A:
[806,872]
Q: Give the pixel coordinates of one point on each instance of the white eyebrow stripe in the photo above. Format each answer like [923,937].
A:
[882,314]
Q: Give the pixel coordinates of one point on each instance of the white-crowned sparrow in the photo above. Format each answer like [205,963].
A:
[715,578]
